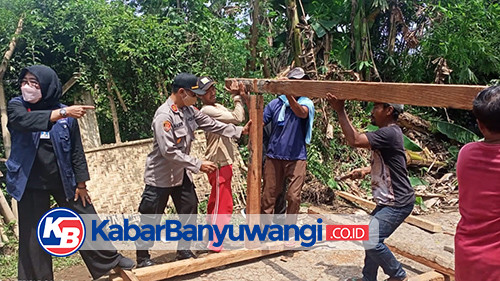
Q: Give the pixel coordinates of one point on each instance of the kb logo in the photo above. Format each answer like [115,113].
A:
[61,232]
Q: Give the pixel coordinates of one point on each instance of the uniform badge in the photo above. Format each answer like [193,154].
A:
[179,140]
[174,108]
[167,126]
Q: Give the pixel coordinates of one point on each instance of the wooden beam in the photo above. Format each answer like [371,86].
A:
[424,260]
[182,267]
[254,176]
[126,275]
[437,95]
[369,205]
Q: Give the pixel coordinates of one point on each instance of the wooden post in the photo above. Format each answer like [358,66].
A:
[254,176]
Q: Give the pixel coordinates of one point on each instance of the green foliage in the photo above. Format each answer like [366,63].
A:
[408,143]
[415,181]
[456,132]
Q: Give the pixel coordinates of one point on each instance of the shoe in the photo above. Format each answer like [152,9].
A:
[126,263]
[145,263]
[244,213]
[185,254]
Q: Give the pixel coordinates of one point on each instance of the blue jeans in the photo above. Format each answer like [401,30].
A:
[384,221]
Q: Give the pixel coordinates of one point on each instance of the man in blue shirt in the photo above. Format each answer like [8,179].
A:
[291,121]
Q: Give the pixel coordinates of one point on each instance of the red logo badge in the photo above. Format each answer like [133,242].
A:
[174,108]
[167,126]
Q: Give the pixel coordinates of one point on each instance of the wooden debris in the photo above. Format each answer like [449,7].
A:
[424,224]
[454,96]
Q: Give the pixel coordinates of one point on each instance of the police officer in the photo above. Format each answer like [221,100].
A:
[169,165]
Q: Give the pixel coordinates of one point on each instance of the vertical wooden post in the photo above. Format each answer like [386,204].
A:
[254,177]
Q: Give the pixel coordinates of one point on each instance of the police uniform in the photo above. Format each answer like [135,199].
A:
[169,166]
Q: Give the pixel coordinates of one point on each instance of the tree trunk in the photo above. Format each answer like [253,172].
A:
[118,93]
[254,36]
[293,17]
[3,104]
[114,114]
[89,127]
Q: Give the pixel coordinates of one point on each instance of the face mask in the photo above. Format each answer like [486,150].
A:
[30,94]
[189,100]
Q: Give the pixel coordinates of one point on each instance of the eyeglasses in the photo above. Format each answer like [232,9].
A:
[33,83]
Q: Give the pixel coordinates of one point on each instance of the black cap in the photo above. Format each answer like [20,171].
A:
[187,81]
[205,83]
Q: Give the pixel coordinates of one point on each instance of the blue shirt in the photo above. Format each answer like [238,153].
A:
[288,138]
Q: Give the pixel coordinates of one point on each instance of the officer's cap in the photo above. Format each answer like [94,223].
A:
[187,81]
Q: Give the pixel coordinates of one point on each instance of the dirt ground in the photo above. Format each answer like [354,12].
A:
[318,264]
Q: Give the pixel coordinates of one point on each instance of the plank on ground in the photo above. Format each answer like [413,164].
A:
[424,260]
[183,267]
[422,223]
[437,95]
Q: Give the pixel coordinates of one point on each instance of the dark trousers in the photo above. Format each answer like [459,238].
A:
[154,200]
[275,173]
[36,264]
[385,220]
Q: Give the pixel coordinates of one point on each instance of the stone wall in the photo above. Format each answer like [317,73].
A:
[117,175]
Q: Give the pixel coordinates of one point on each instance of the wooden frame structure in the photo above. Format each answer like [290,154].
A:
[454,96]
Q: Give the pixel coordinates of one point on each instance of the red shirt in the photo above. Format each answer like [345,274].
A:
[477,242]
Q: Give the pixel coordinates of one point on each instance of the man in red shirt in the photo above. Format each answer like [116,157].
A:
[477,242]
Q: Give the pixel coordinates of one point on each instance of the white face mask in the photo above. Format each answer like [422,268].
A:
[189,100]
[30,94]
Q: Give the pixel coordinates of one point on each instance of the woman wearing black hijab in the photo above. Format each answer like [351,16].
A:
[46,159]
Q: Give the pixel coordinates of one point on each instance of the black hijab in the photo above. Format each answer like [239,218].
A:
[50,86]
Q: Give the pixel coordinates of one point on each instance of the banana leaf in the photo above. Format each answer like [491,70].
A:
[456,132]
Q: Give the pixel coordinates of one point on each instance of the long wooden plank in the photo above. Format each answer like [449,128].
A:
[182,267]
[437,95]
[126,275]
[256,110]
[413,220]
[254,175]
[425,261]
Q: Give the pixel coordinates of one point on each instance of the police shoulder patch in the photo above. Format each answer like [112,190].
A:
[167,126]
